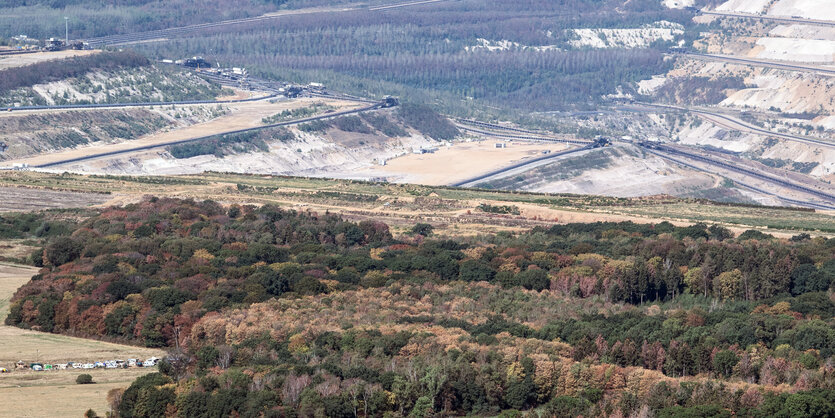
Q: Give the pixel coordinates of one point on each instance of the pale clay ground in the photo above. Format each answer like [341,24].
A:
[10,61]
[241,116]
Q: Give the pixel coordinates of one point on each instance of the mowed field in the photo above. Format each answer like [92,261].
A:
[10,61]
[55,393]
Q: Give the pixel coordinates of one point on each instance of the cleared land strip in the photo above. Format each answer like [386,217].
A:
[518,167]
[140,104]
[826,196]
[827,71]
[168,33]
[796,20]
[241,116]
[128,148]
[736,124]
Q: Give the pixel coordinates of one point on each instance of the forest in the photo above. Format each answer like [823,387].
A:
[426,53]
[270,312]
[43,72]
[92,18]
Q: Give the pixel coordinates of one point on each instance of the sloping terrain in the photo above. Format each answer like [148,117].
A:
[622,172]
[65,397]
[110,77]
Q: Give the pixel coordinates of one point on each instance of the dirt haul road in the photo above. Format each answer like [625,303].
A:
[241,116]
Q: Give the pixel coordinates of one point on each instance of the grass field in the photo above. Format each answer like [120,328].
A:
[452,209]
[55,393]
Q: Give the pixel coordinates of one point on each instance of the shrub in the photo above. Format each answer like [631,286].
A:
[84,379]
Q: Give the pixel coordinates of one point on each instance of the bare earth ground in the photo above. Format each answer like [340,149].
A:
[55,393]
[17,199]
[241,116]
[460,161]
[10,61]
[449,209]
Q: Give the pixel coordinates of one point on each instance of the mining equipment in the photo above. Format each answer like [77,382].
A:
[390,101]
[197,62]
[601,142]
[54,44]
[293,91]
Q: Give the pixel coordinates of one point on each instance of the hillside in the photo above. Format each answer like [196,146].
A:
[103,78]
[385,323]
[417,208]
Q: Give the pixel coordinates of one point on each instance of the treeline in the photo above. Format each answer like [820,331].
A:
[44,18]
[47,71]
[32,225]
[426,48]
[279,311]
[227,144]
[422,350]
[698,90]
[176,252]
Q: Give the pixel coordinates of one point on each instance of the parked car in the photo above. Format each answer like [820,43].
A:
[78,365]
[89,366]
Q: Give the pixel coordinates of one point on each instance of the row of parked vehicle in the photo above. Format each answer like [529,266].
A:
[109,364]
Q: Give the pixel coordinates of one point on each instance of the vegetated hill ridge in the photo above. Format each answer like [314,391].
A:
[107,77]
[496,322]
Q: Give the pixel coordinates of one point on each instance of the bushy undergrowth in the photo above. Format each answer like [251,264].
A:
[279,311]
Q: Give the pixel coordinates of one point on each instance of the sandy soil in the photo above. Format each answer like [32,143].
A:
[811,9]
[240,94]
[240,116]
[626,38]
[19,198]
[678,4]
[460,161]
[804,31]
[795,49]
[54,393]
[744,6]
[28,59]
[628,176]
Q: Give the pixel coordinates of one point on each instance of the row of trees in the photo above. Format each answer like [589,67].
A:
[284,356]
[427,48]
[146,271]
[279,311]
[46,71]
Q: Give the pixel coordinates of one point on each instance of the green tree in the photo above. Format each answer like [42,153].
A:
[724,362]
[84,379]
